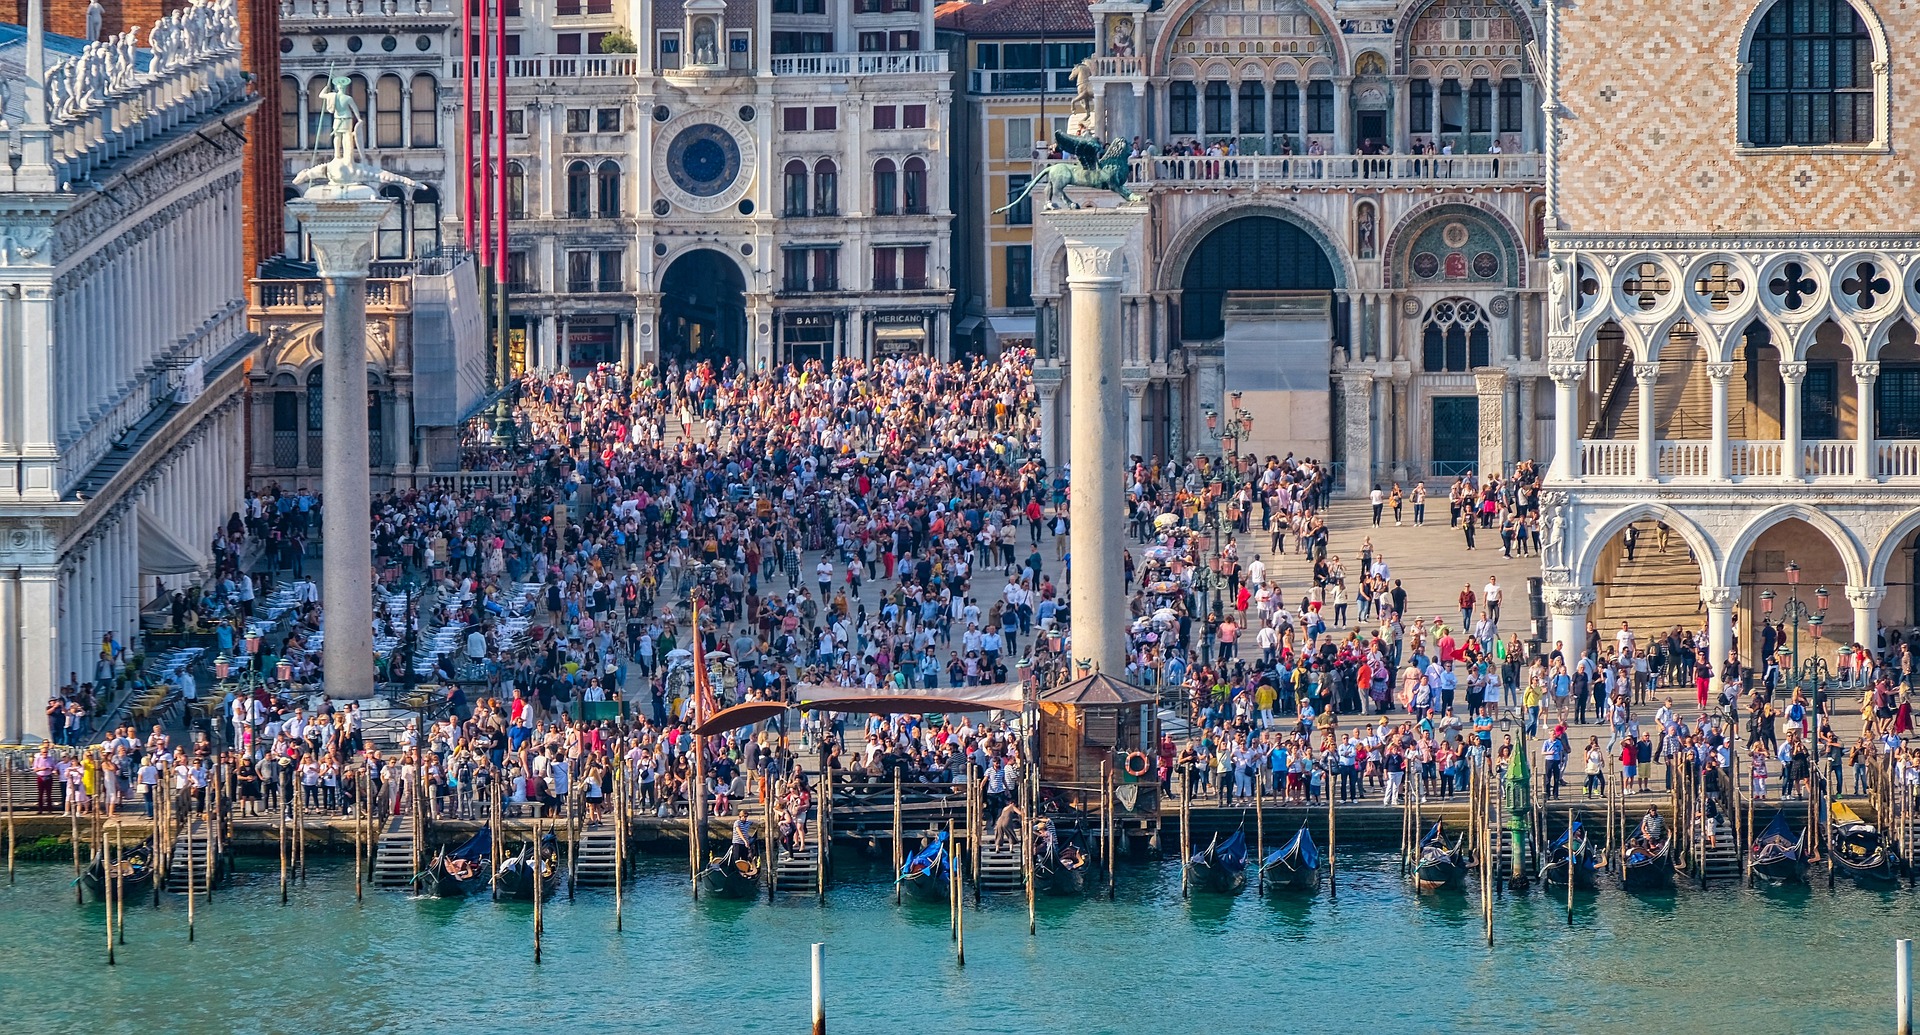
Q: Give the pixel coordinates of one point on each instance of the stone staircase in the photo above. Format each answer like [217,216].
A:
[1656,591]
[596,862]
[393,856]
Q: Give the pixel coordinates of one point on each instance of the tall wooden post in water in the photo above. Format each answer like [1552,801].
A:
[899,849]
[13,839]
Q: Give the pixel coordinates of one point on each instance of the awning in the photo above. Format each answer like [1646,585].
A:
[898,331]
[966,327]
[1013,326]
[727,720]
[161,553]
[1004,697]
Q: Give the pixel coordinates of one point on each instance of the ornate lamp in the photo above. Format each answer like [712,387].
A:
[1820,598]
[1813,623]
[1793,574]
[1766,602]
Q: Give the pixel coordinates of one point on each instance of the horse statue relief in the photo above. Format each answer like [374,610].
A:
[1095,166]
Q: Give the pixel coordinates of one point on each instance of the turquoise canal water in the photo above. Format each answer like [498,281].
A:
[1380,959]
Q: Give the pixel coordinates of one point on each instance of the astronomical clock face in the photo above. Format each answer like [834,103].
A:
[707,161]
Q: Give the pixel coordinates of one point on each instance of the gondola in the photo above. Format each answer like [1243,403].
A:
[134,868]
[1221,866]
[1063,871]
[725,877]
[1860,851]
[1555,871]
[1439,864]
[1648,864]
[1777,855]
[515,879]
[458,872]
[1294,866]
[927,875]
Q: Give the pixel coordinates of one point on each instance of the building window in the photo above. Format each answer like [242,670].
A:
[913,186]
[315,110]
[1180,109]
[883,116]
[1253,108]
[424,124]
[1219,108]
[913,116]
[811,269]
[1021,212]
[426,221]
[1019,138]
[793,120]
[1819,403]
[518,280]
[1019,276]
[613,271]
[986,56]
[900,268]
[579,120]
[1480,107]
[286,426]
[390,241]
[826,188]
[516,122]
[873,42]
[1286,107]
[1896,408]
[885,189]
[386,112]
[290,113]
[516,191]
[794,277]
[606,120]
[568,43]
[579,191]
[826,118]
[580,271]
[1454,337]
[1320,106]
[609,184]
[803,43]
[1810,80]
[796,188]
[1420,106]
[1512,108]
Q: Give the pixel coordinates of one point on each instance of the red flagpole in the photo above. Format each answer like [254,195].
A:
[500,138]
[466,119]
[485,152]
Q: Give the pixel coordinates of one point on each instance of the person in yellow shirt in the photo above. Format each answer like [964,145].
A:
[1531,700]
[1263,699]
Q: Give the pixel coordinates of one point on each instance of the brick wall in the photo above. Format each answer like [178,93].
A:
[1650,144]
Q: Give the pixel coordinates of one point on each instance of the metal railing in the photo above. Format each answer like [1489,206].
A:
[860,64]
[1316,169]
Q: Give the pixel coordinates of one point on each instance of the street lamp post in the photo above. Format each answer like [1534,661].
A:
[1796,612]
[1235,430]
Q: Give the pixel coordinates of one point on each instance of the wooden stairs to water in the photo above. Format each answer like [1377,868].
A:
[596,862]
[393,865]
[190,858]
[799,873]
[1000,869]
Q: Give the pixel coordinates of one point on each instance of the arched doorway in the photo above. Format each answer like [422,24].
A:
[1793,581]
[703,310]
[1262,287]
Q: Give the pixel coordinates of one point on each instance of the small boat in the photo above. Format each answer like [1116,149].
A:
[927,875]
[1439,864]
[728,878]
[1063,872]
[1556,870]
[458,872]
[1294,866]
[1221,866]
[134,870]
[515,879]
[1648,862]
[1860,851]
[1777,855]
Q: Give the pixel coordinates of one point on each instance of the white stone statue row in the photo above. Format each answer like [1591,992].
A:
[106,67]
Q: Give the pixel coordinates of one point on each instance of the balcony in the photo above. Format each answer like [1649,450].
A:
[1335,170]
[294,11]
[910,63]
[284,296]
[901,283]
[1134,67]
[1017,81]
[1690,461]
[565,66]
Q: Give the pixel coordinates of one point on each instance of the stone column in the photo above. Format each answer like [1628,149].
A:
[1646,377]
[1046,383]
[1136,439]
[1866,614]
[1864,375]
[1566,420]
[1094,240]
[1490,383]
[1567,608]
[1791,449]
[1342,116]
[1719,374]
[1719,601]
[340,220]
[1356,389]
[14,699]
[403,430]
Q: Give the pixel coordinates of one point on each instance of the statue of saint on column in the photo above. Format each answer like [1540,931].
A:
[337,104]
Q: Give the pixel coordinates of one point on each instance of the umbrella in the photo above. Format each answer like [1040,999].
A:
[1165,614]
[680,652]
[1166,521]
[1164,586]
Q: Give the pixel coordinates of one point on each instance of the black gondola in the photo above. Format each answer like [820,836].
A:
[1221,866]
[1555,870]
[1648,863]
[1778,856]
[1439,864]
[927,875]
[727,877]
[458,872]
[1294,866]
[515,880]
[1063,871]
[1861,851]
[135,869]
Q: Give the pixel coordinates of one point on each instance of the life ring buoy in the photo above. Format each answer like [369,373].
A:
[1136,764]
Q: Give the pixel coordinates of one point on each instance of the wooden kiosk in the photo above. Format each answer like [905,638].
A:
[1088,730]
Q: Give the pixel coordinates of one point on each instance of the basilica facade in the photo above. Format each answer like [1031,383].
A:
[1345,238]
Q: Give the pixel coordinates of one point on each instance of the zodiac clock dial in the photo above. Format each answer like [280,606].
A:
[703,159]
